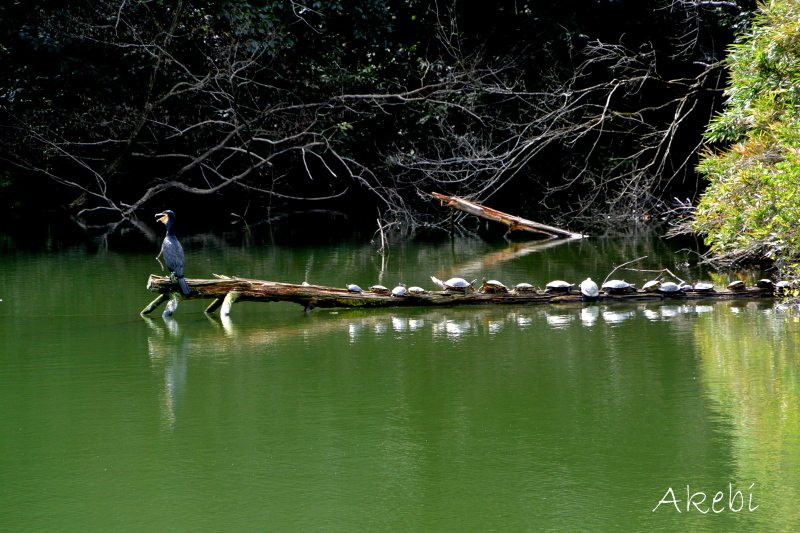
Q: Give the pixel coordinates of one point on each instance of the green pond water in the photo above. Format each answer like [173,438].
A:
[520,418]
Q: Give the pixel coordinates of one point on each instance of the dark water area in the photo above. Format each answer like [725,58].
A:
[544,418]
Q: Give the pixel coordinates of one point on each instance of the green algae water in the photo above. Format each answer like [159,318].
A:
[627,417]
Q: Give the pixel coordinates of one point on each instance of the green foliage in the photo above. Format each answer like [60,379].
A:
[751,207]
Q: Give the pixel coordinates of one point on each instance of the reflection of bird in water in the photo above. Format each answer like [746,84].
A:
[174,381]
[168,349]
[172,251]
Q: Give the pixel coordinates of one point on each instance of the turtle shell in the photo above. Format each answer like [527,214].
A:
[400,290]
[737,285]
[559,285]
[617,284]
[493,285]
[523,287]
[416,290]
[351,287]
[703,286]
[380,289]
[669,287]
[651,286]
[457,283]
[764,284]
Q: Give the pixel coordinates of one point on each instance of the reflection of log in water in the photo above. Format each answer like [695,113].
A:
[453,324]
[225,291]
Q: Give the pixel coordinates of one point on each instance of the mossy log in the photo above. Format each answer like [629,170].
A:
[226,290]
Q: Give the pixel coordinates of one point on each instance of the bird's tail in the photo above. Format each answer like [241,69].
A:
[184,286]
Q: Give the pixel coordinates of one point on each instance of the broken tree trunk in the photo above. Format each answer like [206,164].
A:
[511,221]
[225,291]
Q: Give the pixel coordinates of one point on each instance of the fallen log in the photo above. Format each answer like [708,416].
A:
[511,221]
[228,290]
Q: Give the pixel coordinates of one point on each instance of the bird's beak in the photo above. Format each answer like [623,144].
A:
[161,217]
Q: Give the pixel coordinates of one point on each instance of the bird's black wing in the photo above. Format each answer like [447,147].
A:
[172,252]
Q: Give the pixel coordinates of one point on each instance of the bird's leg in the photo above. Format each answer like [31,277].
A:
[173,278]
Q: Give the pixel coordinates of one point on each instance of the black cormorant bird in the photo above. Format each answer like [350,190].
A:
[172,251]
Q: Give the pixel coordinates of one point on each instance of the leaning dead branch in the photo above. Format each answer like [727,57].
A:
[512,222]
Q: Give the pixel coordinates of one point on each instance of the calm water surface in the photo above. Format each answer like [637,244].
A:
[520,418]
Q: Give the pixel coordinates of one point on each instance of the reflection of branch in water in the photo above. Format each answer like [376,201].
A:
[513,251]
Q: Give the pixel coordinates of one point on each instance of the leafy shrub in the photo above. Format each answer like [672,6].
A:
[751,207]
